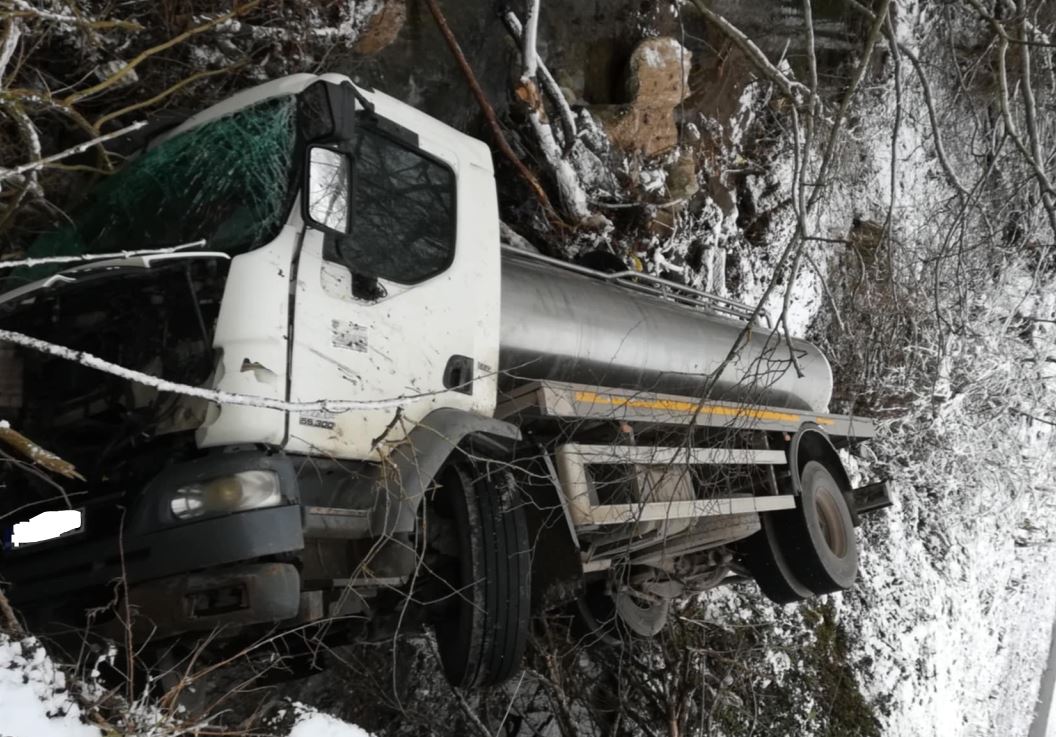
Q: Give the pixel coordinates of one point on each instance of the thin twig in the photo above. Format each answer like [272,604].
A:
[896,129]
[28,11]
[168,91]
[154,50]
[863,66]
[788,87]
[163,385]
[89,257]
[929,103]
[79,148]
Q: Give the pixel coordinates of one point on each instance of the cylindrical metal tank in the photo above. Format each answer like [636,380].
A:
[565,326]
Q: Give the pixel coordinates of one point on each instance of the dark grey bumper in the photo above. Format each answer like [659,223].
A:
[61,571]
[237,595]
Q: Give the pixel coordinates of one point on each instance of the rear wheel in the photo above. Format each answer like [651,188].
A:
[769,566]
[818,536]
[484,633]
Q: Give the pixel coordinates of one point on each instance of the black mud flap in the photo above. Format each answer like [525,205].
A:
[869,498]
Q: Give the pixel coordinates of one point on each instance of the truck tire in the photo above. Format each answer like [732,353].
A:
[484,641]
[771,569]
[818,536]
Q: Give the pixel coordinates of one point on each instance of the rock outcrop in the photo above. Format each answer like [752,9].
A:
[657,82]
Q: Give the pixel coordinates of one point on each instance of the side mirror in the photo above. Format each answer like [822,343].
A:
[329,189]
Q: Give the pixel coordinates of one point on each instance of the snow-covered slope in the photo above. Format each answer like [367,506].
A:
[40,699]
[35,700]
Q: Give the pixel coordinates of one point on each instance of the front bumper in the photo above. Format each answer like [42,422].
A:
[239,595]
[69,570]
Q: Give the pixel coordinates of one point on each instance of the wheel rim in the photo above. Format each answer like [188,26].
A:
[830,521]
[818,536]
[642,617]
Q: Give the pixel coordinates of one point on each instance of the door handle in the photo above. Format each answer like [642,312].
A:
[458,374]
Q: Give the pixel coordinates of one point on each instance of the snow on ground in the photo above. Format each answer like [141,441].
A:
[311,723]
[950,622]
[34,697]
[952,617]
[39,699]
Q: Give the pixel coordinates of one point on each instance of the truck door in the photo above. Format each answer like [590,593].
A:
[396,292]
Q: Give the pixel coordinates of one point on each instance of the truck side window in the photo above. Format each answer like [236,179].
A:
[403,212]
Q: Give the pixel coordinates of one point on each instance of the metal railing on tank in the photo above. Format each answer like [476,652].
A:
[653,285]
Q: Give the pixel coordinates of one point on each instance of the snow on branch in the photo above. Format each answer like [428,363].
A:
[29,10]
[789,87]
[531,33]
[570,188]
[87,257]
[553,90]
[10,41]
[73,151]
[162,385]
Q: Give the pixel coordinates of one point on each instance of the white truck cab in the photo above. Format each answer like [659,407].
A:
[424,260]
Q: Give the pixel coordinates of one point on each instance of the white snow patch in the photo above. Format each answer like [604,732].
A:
[652,57]
[206,57]
[34,698]
[311,723]
[652,180]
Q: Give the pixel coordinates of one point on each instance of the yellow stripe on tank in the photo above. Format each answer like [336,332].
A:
[675,405]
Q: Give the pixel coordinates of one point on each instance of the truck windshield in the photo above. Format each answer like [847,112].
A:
[230,181]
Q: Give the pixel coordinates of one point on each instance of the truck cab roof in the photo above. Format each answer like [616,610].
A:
[468,149]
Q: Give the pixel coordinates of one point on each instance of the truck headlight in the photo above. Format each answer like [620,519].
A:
[235,493]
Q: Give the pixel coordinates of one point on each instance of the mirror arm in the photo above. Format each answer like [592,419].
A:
[367,288]
[362,100]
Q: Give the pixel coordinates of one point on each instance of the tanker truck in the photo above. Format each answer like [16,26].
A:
[304,385]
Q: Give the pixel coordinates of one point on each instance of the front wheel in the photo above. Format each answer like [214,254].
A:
[484,634]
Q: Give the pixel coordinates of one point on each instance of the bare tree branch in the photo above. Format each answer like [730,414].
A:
[489,112]
[789,88]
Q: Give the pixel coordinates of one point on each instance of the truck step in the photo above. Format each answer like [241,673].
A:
[666,487]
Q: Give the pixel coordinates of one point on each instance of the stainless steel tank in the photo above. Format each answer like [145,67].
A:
[566,326]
